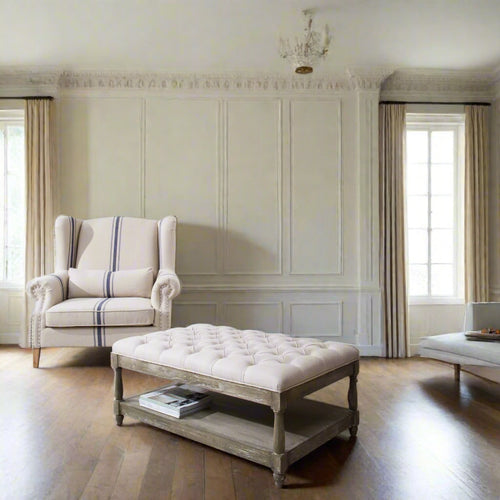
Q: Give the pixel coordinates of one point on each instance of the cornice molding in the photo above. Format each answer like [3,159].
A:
[438,85]
[368,78]
[417,84]
[164,82]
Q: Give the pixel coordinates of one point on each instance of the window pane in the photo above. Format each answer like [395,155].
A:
[442,212]
[416,178]
[442,146]
[442,179]
[417,279]
[15,205]
[416,146]
[442,279]
[417,211]
[442,246]
[417,246]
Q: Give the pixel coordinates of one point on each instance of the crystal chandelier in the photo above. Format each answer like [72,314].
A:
[305,52]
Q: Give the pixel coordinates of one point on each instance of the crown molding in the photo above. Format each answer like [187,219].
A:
[165,82]
[439,85]
[367,78]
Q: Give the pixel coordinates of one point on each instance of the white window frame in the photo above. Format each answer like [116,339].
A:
[434,122]
[8,117]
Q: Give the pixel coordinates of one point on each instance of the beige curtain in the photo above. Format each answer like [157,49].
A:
[392,229]
[476,203]
[40,173]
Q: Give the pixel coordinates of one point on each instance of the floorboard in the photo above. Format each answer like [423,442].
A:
[421,436]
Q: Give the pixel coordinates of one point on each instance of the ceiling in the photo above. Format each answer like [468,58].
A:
[220,36]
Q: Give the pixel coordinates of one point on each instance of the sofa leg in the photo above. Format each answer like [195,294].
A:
[457,372]
[36,356]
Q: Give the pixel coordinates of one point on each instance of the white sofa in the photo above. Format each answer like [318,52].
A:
[114,278]
[456,349]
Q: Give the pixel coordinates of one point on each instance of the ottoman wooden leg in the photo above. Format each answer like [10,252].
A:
[457,372]
[118,394]
[279,466]
[352,398]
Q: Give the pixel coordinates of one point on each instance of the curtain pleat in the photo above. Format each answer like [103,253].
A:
[392,229]
[40,172]
[476,203]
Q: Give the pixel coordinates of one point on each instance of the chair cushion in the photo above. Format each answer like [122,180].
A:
[100,283]
[123,311]
[267,360]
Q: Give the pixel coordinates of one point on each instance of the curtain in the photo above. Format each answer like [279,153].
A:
[392,230]
[476,203]
[39,194]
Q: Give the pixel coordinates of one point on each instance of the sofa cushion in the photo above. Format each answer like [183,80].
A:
[455,348]
[123,311]
[100,283]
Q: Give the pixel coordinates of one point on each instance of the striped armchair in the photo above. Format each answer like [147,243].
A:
[114,277]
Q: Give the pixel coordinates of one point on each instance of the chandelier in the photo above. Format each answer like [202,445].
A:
[305,52]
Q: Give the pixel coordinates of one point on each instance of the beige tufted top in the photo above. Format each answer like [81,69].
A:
[270,361]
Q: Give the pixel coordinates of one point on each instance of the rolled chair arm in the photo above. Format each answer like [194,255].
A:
[48,290]
[166,288]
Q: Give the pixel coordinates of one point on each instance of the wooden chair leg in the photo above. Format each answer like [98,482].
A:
[36,356]
[457,372]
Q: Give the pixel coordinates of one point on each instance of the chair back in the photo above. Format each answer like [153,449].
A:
[114,243]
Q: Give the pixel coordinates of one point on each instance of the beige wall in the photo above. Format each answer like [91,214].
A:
[271,193]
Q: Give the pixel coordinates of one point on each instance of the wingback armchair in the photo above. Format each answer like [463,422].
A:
[114,277]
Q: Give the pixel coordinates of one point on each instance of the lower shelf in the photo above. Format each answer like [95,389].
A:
[245,429]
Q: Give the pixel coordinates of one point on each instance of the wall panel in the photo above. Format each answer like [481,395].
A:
[101,157]
[181,176]
[316,187]
[254,316]
[316,319]
[253,188]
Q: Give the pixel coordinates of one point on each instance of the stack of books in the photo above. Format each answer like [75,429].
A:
[176,400]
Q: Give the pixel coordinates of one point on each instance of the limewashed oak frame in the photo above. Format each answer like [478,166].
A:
[222,426]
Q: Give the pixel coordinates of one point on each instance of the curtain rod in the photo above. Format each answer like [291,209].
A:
[26,97]
[439,103]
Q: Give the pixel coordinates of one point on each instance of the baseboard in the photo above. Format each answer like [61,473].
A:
[9,338]
[414,349]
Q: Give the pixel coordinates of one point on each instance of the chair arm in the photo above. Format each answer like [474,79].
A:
[48,290]
[166,288]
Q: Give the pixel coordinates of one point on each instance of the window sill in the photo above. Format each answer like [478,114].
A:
[437,301]
[13,287]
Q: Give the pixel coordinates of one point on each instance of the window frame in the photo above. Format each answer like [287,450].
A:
[430,122]
[8,117]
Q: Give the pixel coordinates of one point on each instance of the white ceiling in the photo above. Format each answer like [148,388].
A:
[218,36]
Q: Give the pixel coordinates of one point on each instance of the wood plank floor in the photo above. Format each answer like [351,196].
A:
[421,436]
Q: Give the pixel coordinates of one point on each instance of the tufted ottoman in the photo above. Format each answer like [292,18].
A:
[248,371]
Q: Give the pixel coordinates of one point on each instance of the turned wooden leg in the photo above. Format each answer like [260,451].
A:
[279,448]
[352,398]
[36,356]
[457,372]
[118,395]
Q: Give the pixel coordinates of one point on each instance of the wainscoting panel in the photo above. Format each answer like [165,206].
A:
[188,313]
[181,176]
[265,316]
[322,319]
[316,187]
[101,157]
[253,187]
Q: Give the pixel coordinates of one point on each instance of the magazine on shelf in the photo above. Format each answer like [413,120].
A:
[176,400]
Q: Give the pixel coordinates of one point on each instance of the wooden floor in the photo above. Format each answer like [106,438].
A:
[421,436]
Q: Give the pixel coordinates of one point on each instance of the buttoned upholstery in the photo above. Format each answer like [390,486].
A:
[114,277]
[270,361]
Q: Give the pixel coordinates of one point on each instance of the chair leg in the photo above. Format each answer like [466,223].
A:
[36,356]
[457,372]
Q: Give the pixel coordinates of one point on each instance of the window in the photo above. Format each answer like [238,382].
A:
[12,192]
[434,203]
